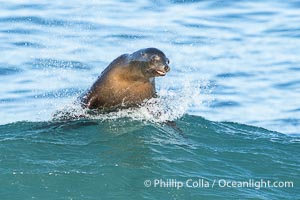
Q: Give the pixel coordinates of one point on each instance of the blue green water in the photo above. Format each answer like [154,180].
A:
[233,92]
[111,159]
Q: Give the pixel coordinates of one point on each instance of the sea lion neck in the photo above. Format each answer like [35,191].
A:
[134,72]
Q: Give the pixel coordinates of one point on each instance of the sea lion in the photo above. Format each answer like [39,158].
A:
[127,81]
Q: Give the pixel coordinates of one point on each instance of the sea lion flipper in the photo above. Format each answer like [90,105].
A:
[173,125]
[92,103]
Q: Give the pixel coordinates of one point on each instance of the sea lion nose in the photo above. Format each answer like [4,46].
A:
[167,68]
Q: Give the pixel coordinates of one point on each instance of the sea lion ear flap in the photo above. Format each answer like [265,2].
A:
[154,58]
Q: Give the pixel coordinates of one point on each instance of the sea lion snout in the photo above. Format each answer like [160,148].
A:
[159,63]
[167,68]
[159,69]
[163,69]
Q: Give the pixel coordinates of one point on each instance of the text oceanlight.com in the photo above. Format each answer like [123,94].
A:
[217,183]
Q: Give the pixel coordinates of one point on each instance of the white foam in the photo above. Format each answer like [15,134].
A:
[170,105]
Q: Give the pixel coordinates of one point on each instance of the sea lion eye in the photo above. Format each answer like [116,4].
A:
[168,61]
[155,58]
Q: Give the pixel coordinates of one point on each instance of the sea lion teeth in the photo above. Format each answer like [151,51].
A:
[160,72]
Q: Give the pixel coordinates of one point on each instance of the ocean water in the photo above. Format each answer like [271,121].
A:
[233,92]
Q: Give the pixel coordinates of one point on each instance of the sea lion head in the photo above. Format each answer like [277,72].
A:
[155,62]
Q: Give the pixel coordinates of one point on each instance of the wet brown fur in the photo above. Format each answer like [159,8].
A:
[125,82]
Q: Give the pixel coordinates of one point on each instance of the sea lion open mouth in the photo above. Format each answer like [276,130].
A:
[159,72]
